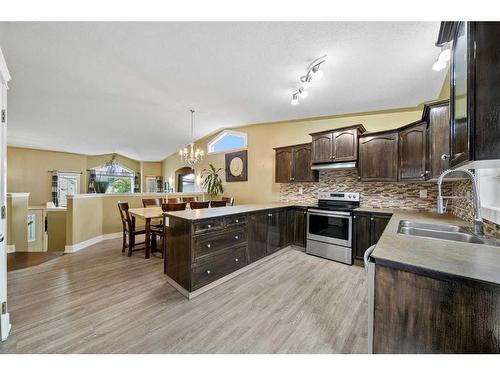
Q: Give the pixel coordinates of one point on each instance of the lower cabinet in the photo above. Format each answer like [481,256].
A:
[276,230]
[257,239]
[296,230]
[367,230]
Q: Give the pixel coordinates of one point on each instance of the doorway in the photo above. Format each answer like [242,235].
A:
[185,179]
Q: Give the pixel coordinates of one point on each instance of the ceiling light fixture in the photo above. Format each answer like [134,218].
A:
[191,157]
[312,72]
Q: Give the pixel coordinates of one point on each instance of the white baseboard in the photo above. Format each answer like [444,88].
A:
[92,241]
[10,248]
[5,326]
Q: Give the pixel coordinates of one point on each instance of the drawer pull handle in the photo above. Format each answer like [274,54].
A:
[208,272]
[236,237]
[236,260]
[209,226]
[208,245]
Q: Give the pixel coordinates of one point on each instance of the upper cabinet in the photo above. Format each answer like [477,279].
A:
[437,115]
[378,156]
[293,164]
[474,95]
[413,152]
[338,145]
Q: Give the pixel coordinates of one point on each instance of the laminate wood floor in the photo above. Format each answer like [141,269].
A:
[100,301]
[19,260]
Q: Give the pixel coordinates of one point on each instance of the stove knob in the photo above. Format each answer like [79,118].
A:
[349,196]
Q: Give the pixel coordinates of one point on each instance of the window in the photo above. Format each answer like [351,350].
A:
[228,140]
[187,182]
[31,227]
[114,179]
[151,184]
[489,186]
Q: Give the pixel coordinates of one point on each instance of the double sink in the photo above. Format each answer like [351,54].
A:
[445,232]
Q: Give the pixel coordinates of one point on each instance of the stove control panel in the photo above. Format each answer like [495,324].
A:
[339,196]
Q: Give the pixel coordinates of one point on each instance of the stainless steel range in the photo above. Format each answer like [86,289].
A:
[329,227]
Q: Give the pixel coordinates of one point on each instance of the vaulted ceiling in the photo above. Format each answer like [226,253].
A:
[125,87]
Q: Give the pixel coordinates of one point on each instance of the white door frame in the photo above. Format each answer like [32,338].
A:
[4,315]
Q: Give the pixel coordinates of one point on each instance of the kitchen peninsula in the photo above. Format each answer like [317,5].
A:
[209,246]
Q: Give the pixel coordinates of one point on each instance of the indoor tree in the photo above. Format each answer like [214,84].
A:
[212,181]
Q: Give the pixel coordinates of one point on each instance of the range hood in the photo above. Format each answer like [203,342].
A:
[329,166]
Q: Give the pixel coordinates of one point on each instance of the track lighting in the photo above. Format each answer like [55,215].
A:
[312,72]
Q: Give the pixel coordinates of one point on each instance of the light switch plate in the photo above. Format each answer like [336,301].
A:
[423,193]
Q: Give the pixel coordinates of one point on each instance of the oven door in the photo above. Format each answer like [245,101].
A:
[330,227]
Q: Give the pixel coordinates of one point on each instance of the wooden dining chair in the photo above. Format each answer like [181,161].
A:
[229,200]
[189,199]
[221,203]
[129,230]
[162,231]
[166,207]
[173,200]
[151,202]
[197,205]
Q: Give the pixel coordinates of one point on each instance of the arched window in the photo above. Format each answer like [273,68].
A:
[228,140]
[113,178]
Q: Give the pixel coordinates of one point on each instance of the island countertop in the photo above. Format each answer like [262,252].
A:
[209,213]
[434,256]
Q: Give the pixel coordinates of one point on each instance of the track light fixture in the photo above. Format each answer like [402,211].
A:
[312,72]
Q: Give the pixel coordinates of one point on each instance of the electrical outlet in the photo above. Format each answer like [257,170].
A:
[301,190]
[423,193]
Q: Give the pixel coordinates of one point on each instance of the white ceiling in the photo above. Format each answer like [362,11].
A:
[124,87]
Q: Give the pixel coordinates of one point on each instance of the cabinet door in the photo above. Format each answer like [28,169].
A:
[378,224]
[439,130]
[257,236]
[361,235]
[283,165]
[298,227]
[302,164]
[322,147]
[459,125]
[276,230]
[378,157]
[412,153]
[345,145]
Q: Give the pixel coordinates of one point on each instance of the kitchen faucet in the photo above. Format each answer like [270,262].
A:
[441,209]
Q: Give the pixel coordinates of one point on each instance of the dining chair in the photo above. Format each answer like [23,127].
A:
[151,202]
[129,230]
[166,207]
[189,199]
[229,200]
[162,231]
[196,205]
[173,200]
[221,203]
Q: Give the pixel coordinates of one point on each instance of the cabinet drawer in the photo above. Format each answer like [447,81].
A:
[218,266]
[235,220]
[213,242]
[208,225]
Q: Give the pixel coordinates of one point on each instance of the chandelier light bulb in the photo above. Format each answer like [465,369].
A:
[304,94]
[318,75]
[295,100]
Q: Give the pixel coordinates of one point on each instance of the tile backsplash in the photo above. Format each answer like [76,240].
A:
[373,194]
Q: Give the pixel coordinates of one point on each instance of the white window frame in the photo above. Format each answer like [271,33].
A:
[71,175]
[486,178]
[150,179]
[132,172]
[222,135]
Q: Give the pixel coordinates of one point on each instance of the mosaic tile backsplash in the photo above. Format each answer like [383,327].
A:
[373,194]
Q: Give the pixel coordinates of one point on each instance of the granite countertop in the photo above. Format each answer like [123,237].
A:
[375,210]
[208,213]
[434,256]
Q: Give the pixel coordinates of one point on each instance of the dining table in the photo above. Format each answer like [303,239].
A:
[147,214]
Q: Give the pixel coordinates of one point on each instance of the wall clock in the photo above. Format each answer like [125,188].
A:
[236,166]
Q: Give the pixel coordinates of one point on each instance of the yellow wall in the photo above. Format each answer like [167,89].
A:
[260,186]
[28,171]
[150,169]
[17,221]
[56,230]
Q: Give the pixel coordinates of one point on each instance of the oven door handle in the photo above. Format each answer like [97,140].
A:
[329,213]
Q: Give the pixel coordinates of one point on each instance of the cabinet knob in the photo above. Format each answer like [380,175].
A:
[208,272]
[270,215]
[209,226]
[208,245]
[236,237]
[236,260]
[371,219]
[359,177]
[354,217]
[445,157]
[237,221]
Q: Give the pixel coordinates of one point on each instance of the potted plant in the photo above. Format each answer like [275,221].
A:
[212,181]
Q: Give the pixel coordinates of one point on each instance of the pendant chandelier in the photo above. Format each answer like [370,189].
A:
[191,156]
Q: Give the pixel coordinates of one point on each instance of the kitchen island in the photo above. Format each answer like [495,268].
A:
[206,247]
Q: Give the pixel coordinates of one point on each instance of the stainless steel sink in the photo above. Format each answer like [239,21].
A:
[444,232]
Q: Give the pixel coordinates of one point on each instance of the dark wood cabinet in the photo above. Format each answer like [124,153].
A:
[293,164]
[296,230]
[257,241]
[474,94]
[437,115]
[276,230]
[367,229]
[413,152]
[378,156]
[337,145]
